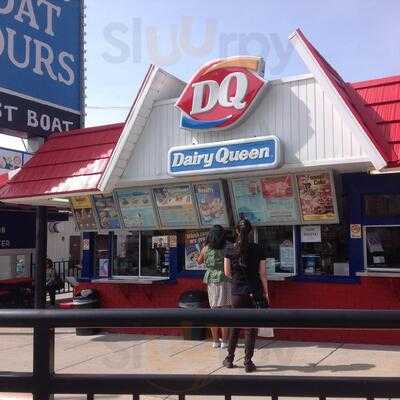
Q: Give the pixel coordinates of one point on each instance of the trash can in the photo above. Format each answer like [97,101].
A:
[88,298]
[194,299]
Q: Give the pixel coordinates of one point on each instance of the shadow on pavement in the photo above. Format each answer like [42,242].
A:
[311,368]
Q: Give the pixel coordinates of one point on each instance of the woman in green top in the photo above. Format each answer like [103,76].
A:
[218,285]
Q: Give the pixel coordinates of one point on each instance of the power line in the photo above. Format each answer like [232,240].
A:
[108,107]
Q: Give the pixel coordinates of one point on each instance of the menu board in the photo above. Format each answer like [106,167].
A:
[249,200]
[175,206]
[106,212]
[317,201]
[211,203]
[194,242]
[281,203]
[136,207]
[83,213]
[269,200]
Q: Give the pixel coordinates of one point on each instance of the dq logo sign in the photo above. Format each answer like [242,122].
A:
[221,93]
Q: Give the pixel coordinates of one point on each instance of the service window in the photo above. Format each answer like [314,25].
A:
[381,245]
[155,253]
[143,254]
[126,260]
[324,250]
[278,245]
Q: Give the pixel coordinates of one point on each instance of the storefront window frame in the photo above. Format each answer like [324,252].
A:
[282,275]
[140,276]
[365,251]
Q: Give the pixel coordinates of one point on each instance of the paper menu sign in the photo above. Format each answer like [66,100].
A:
[310,234]
[194,242]
[286,255]
[374,242]
[103,267]
[317,201]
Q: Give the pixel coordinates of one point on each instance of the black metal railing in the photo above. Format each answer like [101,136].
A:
[64,269]
[43,382]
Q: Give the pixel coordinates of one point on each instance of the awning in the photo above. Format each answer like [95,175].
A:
[67,164]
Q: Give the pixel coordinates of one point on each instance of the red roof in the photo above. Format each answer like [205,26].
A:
[374,103]
[382,98]
[364,115]
[70,162]
[3,179]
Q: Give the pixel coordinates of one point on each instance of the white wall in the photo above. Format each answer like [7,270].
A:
[58,243]
[296,110]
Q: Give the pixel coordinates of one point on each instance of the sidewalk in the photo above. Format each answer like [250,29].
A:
[119,353]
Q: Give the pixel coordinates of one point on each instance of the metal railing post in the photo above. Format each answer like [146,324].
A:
[43,362]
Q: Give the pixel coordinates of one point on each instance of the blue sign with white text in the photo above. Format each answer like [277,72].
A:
[233,155]
[40,60]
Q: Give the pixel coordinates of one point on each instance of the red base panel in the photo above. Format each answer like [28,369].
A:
[370,293]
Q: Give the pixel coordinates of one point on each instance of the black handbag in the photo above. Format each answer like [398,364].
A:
[258,301]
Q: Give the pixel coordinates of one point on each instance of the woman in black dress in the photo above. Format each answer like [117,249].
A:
[245,264]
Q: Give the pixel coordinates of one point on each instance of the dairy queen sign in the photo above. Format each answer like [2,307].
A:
[221,93]
[231,155]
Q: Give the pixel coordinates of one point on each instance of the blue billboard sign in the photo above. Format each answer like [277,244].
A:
[41,64]
[233,155]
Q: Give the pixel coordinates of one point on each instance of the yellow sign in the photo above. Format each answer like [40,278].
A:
[80,202]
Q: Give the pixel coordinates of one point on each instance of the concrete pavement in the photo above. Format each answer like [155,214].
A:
[120,353]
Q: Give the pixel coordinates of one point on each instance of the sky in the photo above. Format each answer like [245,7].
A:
[358,37]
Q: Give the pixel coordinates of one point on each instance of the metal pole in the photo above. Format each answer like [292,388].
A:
[40,259]
[43,336]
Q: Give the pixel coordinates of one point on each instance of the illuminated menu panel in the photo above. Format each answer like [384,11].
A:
[106,212]
[176,206]
[137,208]
[210,200]
[266,201]
[317,198]
[83,213]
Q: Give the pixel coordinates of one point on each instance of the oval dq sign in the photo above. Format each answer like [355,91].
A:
[221,93]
